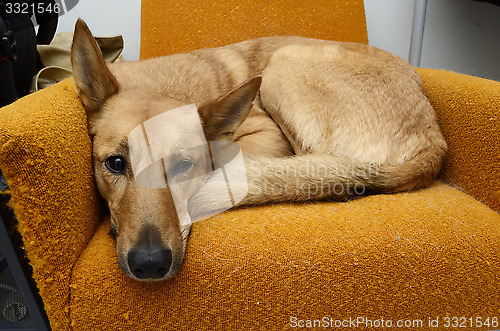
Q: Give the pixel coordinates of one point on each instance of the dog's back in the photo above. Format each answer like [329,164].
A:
[212,72]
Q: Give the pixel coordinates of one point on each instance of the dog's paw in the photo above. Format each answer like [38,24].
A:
[225,189]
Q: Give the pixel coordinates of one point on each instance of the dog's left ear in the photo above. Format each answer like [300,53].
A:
[93,80]
[223,116]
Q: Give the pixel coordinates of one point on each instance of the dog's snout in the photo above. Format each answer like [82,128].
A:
[150,258]
[149,264]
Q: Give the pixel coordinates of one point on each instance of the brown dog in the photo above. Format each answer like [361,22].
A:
[314,119]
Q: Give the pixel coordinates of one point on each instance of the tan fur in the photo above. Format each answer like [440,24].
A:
[328,117]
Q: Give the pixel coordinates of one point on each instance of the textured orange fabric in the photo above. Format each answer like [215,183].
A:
[430,253]
[469,114]
[179,26]
[45,155]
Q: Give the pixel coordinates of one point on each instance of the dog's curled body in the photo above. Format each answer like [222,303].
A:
[323,119]
[345,105]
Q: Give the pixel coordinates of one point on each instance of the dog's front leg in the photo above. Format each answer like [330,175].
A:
[295,178]
[227,187]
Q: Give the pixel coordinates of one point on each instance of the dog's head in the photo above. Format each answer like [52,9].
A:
[151,228]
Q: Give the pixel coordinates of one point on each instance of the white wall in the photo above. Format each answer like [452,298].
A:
[463,36]
[389,25]
[108,18]
[460,35]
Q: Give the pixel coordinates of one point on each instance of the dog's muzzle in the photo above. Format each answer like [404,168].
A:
[149,259]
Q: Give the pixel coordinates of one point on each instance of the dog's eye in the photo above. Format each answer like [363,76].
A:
[116,163]
[181,166]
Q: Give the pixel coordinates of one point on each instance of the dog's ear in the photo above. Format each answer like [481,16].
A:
[93,80]
[223,116]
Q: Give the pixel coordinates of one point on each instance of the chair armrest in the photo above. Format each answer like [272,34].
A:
[468,109]
[45,156]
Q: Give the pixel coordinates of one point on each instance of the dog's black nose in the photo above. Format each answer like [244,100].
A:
[152,264]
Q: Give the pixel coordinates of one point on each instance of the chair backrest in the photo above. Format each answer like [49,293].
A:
[179,26]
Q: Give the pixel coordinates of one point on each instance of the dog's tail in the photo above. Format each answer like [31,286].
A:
[313,177]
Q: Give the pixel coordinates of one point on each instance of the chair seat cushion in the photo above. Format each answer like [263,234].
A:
[429,253]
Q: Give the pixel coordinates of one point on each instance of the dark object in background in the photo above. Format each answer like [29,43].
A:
[493,2]
[18,55]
